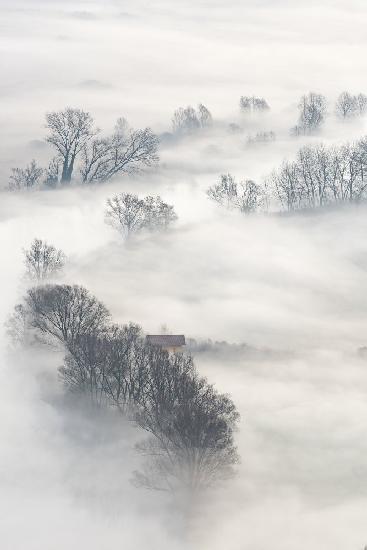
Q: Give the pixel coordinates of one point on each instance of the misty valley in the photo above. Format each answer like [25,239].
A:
[184,216]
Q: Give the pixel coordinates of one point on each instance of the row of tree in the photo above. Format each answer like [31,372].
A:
[80,147]
[313,107]
[189,425]
[319,176]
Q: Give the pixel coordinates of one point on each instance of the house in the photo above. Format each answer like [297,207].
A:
[168,342]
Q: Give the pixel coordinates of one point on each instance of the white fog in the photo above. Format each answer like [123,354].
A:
[272,301]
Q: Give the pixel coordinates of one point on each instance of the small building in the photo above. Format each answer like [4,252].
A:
[169,342]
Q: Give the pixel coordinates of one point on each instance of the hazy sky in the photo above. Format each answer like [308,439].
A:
[292,285]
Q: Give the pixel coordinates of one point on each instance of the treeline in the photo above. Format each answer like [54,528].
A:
[319,176]
[189,425]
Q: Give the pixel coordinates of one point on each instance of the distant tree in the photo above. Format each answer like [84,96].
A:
[129,214]
[185,120]
[312,109]
[320,176]
[245,196]
[64,313]
[253,104]
[205,116]
[85,367]
[188,120]
[18,329]
[349,106]
[234,128]
[261,137]
[127,150]
[26,178]
[362,103]
[43,260]
[70,131]
[346,105]
[52,173]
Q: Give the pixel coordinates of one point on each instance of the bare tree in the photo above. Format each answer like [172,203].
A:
[321,176]
[52,173]
[188,120]
[205,116]
[185,120]
[349,106]
[127,150]
[245,196]
[312,110]
[84,369]
[43,261]
[26,178]
[70,131]
[346,105]
[129,214]
[18,328]
[64,313]
[110,366]
[253,104]
[362,103]
[191,425]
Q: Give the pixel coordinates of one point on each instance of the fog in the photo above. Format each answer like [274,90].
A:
[285,293]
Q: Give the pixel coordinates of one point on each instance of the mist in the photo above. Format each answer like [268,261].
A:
[273,306]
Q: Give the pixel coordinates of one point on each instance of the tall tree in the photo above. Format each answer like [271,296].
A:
[70,131]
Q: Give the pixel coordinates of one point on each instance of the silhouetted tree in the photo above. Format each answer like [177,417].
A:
[129,214]
[109,366]
[43,260]
[70,131]
[191,426]
[64,313]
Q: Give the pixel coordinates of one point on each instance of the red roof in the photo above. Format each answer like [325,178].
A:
[166,340]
